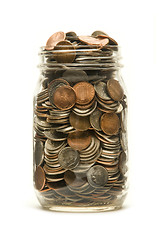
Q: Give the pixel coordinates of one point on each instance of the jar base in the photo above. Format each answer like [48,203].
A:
[84,208]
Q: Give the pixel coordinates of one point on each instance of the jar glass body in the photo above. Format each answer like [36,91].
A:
[80,130]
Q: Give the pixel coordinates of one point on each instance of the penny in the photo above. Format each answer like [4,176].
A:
[38,153]
[68,158]
[95,119]
[64,52]
[97,176]
[69,177]
[115,90]
[79,140]
[64,97]
[39,177]
[53,85]
[84,92]
[54,39]
[78,122]
[94,41]
[110,123]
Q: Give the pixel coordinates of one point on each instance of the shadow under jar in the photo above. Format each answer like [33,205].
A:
[80,125]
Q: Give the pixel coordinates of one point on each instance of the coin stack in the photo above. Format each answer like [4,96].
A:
[80,141]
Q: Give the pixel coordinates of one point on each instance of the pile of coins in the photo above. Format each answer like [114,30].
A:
[80,142]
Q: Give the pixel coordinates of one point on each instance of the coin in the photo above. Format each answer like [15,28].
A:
[64,97]
[122,163]
[95,119]
[97,176]
[79,140]
[53,85]
[84,92]
[38,153]
[54,39]
[39,177]
[54,135]
[74,76]
[68,158]
[110,123]
[101,90]
[97,33]
[64,52]
[115,90]
[93,41]
[78,122]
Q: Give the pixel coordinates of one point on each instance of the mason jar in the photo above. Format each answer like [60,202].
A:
[80,124]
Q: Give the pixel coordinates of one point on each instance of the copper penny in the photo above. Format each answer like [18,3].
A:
[79,140]
[65,52]
[94,41]
[84,92]
[64,97]
[110,123]
[54,39]
[39,177]
[115,90]
[78,122]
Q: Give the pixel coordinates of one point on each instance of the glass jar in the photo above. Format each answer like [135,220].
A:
[80,126]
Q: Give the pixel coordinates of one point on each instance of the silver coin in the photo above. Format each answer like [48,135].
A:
[97,176]
[85,112]
[53,145]
[95,119]
[68,158]
[55,136]
[38,153]
[101,90]
[74,76]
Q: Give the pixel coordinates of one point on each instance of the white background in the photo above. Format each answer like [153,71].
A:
[25,26]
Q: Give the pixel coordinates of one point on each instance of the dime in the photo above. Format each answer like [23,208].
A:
[68,158]
[64,52]
[64,97]
[78,122]
[101,90]
[39,177]
[79,140]
[110,123]
[38,153]
[95,119]
[115,90]
[84,92]
[54,39]
[97,176]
